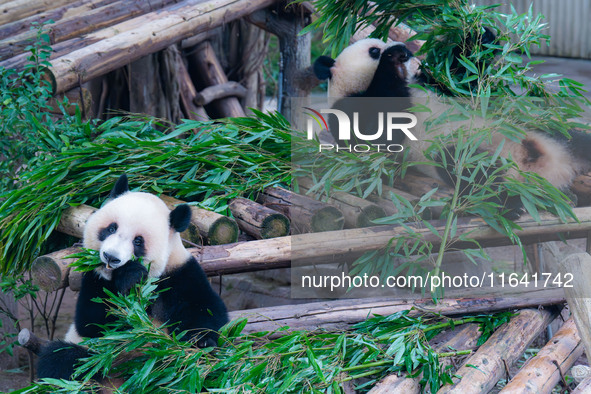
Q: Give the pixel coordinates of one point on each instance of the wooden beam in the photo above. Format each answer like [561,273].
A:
[154,31]
[86,20]
[18,9]
[541,373]
[483,370]
[330,246]
[341,314]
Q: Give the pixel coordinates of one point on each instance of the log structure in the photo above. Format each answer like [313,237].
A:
[305,213]
[482,370]
[257,220]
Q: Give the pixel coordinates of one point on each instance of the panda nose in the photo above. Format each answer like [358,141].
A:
[111,260]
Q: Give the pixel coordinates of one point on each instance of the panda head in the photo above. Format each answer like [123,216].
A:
[133,225]
[351,72]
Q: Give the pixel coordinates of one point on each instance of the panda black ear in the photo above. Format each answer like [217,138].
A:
[322,67]
[121,186]
[180,217]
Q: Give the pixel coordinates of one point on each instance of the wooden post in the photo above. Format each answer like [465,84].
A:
[482,371]
[258,220]
[189,94]
[286,22]
[305,213]
[209,70]
[542,372]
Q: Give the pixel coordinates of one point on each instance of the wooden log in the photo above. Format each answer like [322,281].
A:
[206,65]
[419,184]
[481,372]
[30,341]
[74,25]
[543,371]
[51,271]
[339,315]
[569,261]
[154,31]
[78,98]
[305,213]
[357,211]
[72,8]
[18,9]
[464,337]
[215,228]
[392,384]
[74,219]
[257,220]
[216,92]
[583,388]
[329,246]
[188,94]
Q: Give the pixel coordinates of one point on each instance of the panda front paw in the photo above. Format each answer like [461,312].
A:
[129,275]
[514,208]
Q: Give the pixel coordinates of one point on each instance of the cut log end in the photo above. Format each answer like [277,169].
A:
[30,341]
[370,213]
[223,231]
[327,219]
[275,225]
[46,273]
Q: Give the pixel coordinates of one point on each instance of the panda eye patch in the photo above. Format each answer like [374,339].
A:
[138,241]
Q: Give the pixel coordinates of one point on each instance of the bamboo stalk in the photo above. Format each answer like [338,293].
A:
[542,372]
[305,213]
[357,211]
[76,24]
[481,372]
[258,220]
[211,73]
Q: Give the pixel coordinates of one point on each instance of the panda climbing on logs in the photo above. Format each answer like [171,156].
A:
[556,159]
[130,226]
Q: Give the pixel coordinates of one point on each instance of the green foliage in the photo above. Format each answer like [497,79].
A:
[220,161]
[26,127]
[296,361]
[86,260]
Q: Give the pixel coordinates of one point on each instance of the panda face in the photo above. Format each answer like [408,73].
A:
[135,225]
[351,72]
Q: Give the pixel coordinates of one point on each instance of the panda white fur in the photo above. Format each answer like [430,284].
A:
[555,159]
[129,226]
[352,71]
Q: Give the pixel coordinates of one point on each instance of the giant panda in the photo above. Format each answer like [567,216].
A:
[130,226]
[352,71]
[556,159]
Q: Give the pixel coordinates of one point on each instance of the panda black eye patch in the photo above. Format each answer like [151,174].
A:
[139,249]
[105,232]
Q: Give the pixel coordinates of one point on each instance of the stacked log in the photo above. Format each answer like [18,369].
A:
[257,220]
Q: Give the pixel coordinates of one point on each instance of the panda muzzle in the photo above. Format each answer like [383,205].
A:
[111,261]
